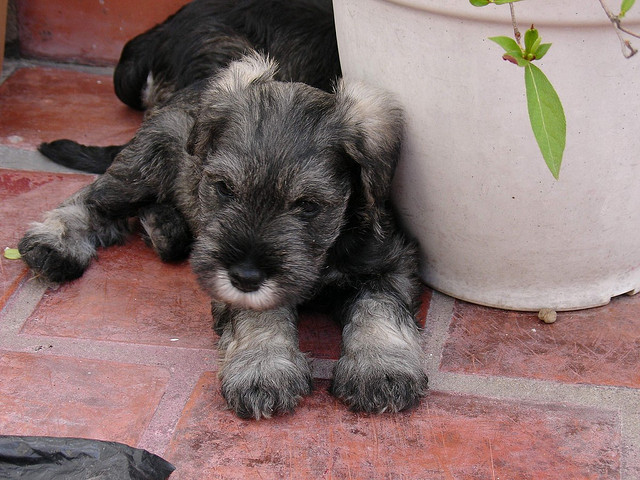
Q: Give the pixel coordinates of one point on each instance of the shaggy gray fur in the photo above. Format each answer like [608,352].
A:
[280,193]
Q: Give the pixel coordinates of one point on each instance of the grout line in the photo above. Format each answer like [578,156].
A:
[7,70]
[19,306]
[623,401]
[321,368]
[112,351]
[21,158]
[630,433]
[436,331]
[601,397]
[11,65]
[158,434]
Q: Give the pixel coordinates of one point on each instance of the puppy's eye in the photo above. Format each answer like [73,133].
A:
[307,209]
[223,190]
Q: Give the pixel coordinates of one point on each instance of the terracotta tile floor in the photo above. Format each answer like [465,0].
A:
[93,32]
[126,353]
[42,104]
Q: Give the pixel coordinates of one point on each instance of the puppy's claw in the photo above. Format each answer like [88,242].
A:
[377,391]
[260,403]
[262,391]
[48,262]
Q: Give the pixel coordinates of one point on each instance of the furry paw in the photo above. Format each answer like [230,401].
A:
[257,385]
[49,261]
[166,231]
[376,385]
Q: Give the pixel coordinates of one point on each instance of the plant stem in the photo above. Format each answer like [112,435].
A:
[514,23]
[627,49]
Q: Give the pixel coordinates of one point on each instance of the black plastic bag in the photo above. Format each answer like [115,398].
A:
[48,458]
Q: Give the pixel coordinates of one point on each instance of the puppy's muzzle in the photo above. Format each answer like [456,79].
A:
[246,276]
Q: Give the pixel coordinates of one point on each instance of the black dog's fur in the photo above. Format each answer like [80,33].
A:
[199,40]
[205,35]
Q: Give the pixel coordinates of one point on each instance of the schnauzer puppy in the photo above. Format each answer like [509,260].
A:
[205,36]
[280,193]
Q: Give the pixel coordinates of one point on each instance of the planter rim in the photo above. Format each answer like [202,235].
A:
[566,13]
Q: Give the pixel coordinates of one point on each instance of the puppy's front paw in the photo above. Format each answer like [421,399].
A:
[49,261]
[377,384]
[257,384]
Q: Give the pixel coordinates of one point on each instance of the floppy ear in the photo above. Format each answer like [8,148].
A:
[219,97]
[205,131]
[372,123]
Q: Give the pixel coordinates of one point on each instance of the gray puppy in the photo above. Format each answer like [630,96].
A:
[280,193]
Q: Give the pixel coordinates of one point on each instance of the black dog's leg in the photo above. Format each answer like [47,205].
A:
[262,371]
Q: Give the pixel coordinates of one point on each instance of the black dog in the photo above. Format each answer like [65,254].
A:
[205,36]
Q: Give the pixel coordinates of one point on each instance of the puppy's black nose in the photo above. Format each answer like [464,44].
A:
[246,277]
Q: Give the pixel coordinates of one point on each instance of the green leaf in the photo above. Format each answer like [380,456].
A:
[542,50]
[530,38]
[509,44]
[517,60]
[535,46]
[12,253]
[625,7]
[484,3]
[547,117]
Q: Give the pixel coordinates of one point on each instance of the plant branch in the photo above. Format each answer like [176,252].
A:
[514,23]
[627,49]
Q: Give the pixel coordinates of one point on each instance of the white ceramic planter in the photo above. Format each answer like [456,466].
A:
[494,226]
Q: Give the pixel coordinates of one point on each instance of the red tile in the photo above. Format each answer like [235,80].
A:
[320,336]
[596,346]
[41,104]
[448,437]
[128,295]
[58,396]
[24,197]
[89,32]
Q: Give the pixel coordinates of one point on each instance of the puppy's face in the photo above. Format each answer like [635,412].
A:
[277,181]
[272,201]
